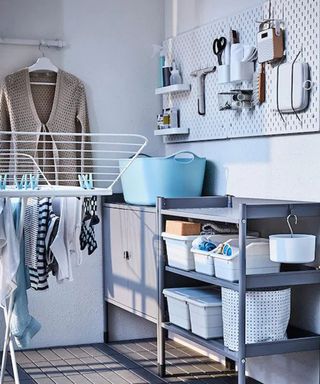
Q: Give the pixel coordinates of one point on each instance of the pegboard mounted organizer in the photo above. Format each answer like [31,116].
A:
[193,50]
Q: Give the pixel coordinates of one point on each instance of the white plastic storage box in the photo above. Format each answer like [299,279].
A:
[257,260]
[206,316]
[267,316]
[179,251]
[204,262]
[178,299]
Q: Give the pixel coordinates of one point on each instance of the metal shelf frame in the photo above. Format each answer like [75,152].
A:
[228,209]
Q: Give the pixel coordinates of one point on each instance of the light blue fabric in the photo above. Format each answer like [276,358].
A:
[23,325]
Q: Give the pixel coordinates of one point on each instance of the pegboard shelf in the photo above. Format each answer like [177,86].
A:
[171,131]
[173,89]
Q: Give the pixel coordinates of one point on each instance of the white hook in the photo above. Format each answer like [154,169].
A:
[295,222]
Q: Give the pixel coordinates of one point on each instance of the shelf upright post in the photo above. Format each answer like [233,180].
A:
[161,266]
[242,295]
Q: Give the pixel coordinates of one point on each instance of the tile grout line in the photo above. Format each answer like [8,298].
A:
[140,366]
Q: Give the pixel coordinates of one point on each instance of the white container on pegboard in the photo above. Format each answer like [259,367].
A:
[267,316]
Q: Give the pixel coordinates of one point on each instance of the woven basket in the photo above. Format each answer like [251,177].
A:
[267,316]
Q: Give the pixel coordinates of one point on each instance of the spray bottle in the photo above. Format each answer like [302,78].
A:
[175,77]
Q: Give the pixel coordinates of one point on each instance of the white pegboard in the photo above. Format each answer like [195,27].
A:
[193,50]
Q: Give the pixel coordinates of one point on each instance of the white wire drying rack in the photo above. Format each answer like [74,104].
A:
[57,160]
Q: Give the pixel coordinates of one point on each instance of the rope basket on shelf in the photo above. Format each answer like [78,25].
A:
[267,316]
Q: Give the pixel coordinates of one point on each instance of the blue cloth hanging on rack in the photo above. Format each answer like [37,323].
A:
[23,326]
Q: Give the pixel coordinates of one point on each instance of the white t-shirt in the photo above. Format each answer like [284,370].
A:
[9,251]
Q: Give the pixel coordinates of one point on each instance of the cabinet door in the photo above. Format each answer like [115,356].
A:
[115,265]
[142,266]
[130,260]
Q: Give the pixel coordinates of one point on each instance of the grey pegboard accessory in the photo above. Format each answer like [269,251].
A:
[193,50]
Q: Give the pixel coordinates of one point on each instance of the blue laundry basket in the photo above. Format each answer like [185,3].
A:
[178,175]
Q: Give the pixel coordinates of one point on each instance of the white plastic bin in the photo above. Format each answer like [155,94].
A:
[257,260]
[206,316]
[178,299]
[179,251]
[267,316]
[204,262]
[292,249]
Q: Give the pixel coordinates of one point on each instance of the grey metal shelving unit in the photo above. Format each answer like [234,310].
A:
[239,211]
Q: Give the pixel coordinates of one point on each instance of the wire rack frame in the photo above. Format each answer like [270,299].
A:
[57,160]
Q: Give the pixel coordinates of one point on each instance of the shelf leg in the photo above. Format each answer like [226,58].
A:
[161,370]
[230,365]
[106,325]
[161,265]
[242,295]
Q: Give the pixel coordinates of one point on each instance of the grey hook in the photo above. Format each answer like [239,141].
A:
[295,222]
[41,48]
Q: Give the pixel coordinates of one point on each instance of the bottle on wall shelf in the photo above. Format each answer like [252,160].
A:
[162,58]
[166,72]
[175,77]
[160,52]
[174,118]
[169,118]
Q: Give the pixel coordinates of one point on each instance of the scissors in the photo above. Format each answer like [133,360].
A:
[219,45]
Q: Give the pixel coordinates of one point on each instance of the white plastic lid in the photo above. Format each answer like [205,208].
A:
[211,300]
[189,293]
[166,235]
[200,252]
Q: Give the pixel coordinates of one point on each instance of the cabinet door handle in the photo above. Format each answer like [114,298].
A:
[126,255]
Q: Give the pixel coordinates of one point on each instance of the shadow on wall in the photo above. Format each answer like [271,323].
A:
[232,165]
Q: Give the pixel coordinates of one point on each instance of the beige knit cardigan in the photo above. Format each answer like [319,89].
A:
[27,108]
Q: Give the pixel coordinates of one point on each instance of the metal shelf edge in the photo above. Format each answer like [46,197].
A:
[283,279]
[272,280]
[303,344]
[212,344]
[199,216]
[205,278]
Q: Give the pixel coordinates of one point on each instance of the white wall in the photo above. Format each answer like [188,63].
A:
[110,49]
[283,167]
[184,15]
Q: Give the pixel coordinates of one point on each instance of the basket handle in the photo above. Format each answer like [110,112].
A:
[176,155]
[140,155]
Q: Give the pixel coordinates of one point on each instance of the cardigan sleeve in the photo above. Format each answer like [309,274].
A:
[82,110]
[4,121]
[83,120]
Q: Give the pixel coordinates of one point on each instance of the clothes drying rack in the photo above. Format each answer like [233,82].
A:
[57,160]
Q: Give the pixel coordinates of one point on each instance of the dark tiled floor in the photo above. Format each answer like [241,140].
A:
[118,363]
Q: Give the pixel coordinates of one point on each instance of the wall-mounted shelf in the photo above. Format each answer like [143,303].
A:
[173,89]
[171,131]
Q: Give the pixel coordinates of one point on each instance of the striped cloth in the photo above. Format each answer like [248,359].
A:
[39,275]
[31,225]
